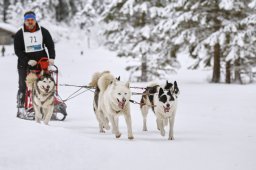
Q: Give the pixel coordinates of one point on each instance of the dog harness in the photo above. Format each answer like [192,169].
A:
[33,41]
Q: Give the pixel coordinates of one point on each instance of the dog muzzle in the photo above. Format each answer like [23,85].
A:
[46,89]
[121,103]
[167,109]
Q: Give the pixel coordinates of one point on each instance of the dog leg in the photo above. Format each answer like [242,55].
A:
[171,122]
[38,115]
[165,122]
[101,128]
[37,119]
[116,122]
[161,126]
[99,121]
[106,121]
[102,119]
[144,111]
[48,114]
[157,124]
[128,120]
[114,127]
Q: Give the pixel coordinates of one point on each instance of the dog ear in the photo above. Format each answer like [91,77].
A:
[118,78]
[176,89]
[169,92]
[41,74]
[161,92]
[175,84]
[127,84]
[168,85]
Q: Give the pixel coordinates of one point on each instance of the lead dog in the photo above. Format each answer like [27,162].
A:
[113,101]
[43,90]
[164,104]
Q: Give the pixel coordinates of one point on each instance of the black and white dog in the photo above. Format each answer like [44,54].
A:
[43,90]
[163,101]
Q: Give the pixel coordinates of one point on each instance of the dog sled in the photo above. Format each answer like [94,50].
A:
[59,112]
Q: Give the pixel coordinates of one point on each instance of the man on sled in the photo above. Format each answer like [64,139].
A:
[29,46]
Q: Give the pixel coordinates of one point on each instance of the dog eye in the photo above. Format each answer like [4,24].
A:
[163,99]
[44,81]
[119,93]
[125,93]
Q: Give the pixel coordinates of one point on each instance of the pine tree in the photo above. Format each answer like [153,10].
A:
[1,10]
[129,30]
[15,14]
[5,6]
[206,28]
[85,18]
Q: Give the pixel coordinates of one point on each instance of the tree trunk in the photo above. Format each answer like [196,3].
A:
[216,64]
[144,77]
[237,71]
[88,32]
[62,10]
[228,72]
[5,7]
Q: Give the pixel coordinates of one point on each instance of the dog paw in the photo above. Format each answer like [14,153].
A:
[118,135]
[46,123]
[40,116]
[37,120]
[171,138]
[162,133]
[107,127]
[130,137]
[102,131]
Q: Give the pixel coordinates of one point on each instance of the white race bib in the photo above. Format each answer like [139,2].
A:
[33,41]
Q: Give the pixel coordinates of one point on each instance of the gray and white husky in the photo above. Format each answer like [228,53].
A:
[43,90]
[163,101]
[110,101]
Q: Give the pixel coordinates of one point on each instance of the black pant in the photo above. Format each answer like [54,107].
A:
[22,87]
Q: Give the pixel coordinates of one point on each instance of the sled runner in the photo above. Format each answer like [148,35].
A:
[59,112]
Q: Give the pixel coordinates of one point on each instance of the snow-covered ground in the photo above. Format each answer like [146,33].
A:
[215,127]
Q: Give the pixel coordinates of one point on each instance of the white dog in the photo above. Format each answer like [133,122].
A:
[113,101]
[164,105]
[43,90]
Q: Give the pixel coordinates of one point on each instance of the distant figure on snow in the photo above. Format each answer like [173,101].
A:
[3,51]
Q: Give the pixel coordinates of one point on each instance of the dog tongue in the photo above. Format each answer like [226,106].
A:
[166,109]
[121,104]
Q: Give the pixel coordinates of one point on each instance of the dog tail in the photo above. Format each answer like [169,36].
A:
[30,79]
[95,78]
[105,80]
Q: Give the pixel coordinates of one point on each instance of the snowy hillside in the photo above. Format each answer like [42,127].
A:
[215,126]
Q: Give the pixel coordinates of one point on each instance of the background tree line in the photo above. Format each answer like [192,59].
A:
[219,34]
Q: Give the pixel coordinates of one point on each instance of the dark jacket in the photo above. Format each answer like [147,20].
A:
[24,57]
